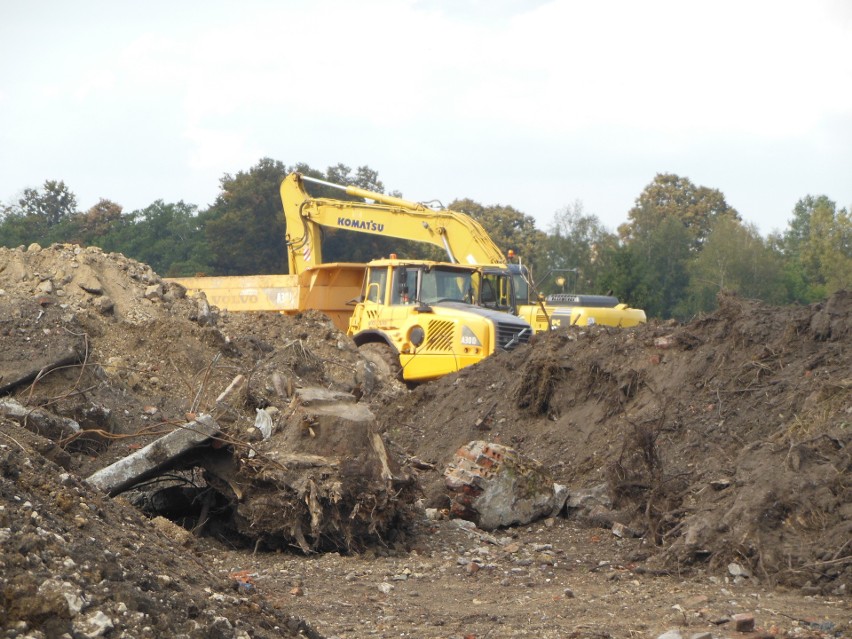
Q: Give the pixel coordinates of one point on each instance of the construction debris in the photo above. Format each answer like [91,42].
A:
[157,457]
[39,421]
[494,486]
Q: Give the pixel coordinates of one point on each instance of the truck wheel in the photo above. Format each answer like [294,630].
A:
[384,360]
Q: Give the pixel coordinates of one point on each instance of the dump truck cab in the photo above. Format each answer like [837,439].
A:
[428,316]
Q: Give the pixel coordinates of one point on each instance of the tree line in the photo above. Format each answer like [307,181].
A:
[681,245]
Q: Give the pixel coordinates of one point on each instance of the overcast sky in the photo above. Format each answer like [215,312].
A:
[526,103]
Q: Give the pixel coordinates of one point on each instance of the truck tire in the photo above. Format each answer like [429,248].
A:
[384,360]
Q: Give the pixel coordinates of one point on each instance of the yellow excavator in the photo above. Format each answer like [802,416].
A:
[415,319]
[568,309]
[509,286]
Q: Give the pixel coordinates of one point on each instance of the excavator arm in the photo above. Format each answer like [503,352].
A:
[463,238]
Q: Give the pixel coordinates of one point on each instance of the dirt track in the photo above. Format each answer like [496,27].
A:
[723,444]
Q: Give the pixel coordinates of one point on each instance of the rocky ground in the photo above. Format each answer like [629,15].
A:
[708,465]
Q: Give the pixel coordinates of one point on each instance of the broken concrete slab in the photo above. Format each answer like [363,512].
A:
[495,486]
[39,421]
[154,458]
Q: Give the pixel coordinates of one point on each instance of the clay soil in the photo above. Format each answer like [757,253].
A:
[707,463]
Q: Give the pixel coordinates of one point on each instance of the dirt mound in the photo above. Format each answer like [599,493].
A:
[103,356]
[145,354]
[726,439]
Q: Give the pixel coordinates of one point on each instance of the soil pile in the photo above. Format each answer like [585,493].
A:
[723,442]
[98,357]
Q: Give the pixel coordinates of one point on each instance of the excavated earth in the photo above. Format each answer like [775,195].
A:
[707,466]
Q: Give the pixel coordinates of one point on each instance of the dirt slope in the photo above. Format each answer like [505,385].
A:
[727,438]
[724,441]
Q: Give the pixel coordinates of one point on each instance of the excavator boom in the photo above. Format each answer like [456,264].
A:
[463,238]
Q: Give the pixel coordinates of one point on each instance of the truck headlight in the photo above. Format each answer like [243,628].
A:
[416,335]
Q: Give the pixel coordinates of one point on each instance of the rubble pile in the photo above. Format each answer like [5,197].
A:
[76,563]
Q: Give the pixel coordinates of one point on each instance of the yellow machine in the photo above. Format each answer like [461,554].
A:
[424,314]
[328,288]
[569,309]
[416,319]
[509,287]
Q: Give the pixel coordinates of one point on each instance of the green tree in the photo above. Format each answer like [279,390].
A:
[650,272]
[817,247]
[166,236]
[798,229]
[827,254]
[17,229]
[38,215]
[244,227]
[667,226]
[364,178]
[675,197]
[577,243]
[51,205]
[624,276]
[734,258]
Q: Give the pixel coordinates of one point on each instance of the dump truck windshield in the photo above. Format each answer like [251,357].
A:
[445,284]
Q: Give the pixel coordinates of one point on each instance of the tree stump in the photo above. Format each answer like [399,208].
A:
[322,481]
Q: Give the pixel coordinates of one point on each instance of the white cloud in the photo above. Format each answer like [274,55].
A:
[212,149]
[95,82]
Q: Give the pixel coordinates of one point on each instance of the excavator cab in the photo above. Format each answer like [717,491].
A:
[521,277]
[497,290]
[489,295]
